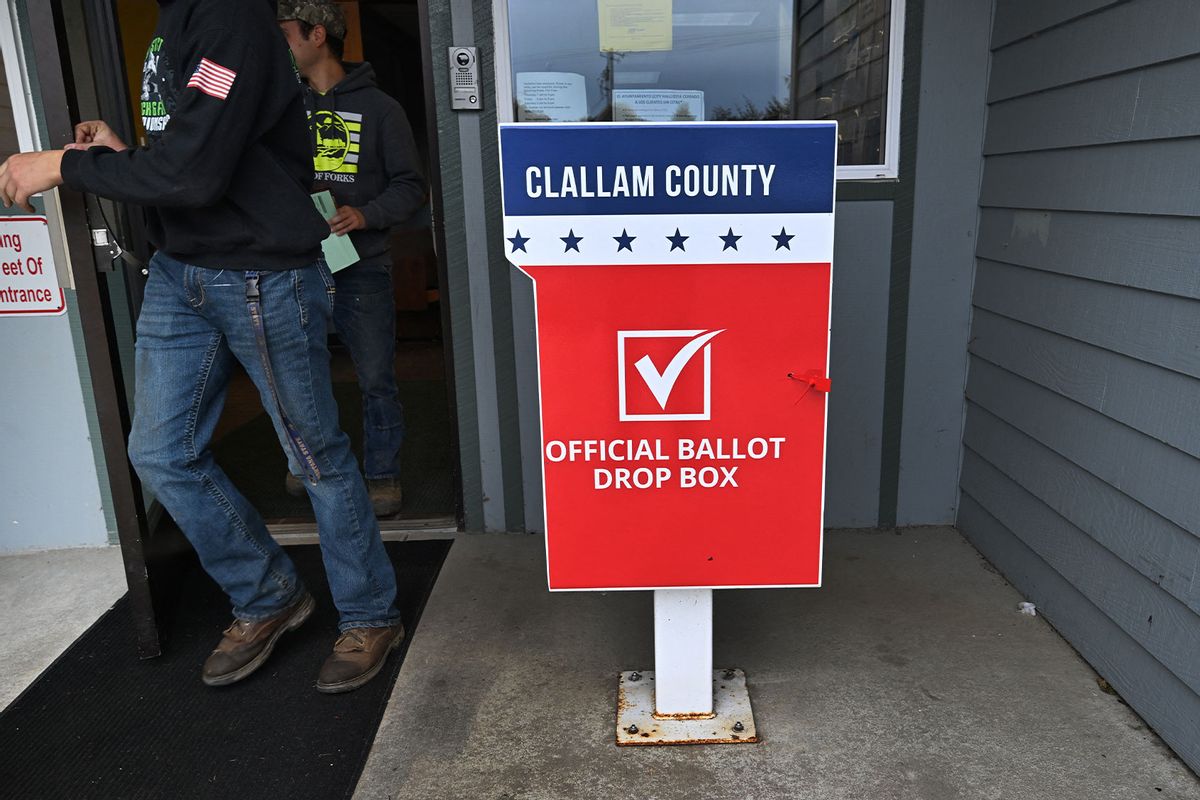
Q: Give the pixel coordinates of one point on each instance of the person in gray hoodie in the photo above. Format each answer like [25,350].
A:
[364,154]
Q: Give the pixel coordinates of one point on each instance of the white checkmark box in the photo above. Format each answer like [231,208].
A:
[662,383]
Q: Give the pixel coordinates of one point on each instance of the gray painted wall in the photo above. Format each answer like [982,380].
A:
[478,290]
[51,491]
[53,486]
[954,68]
[862,261]
[1081,451]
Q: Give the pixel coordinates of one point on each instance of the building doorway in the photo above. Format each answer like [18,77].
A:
[388,34]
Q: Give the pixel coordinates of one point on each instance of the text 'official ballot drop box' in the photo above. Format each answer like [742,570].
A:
[682,291]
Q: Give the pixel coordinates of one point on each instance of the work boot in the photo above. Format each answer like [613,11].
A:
[385,495]
[247,644]
[357,656]
[294,486]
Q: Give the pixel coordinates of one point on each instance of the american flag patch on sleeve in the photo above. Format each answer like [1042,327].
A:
[212,79]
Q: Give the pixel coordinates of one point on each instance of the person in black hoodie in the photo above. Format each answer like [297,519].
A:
[364,154]
[237,277]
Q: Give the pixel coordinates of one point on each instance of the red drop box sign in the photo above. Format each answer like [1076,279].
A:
[682,280]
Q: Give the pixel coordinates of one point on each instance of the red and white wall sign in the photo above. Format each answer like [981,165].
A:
[682,276]
[28,281]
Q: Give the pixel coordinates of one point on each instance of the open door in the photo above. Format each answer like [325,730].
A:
[72,86]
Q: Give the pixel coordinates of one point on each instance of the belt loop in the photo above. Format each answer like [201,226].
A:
[252,293]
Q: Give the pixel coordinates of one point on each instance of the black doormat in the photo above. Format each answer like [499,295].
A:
[99,723]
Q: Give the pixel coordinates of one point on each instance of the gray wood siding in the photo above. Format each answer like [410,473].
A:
[1081,450]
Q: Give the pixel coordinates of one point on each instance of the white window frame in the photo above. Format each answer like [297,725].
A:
[889,169]
[29,135]
[17,72]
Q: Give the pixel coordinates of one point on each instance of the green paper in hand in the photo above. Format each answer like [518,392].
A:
[339,250]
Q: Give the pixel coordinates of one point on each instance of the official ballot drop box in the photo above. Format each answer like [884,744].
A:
[682,292]
[682,288]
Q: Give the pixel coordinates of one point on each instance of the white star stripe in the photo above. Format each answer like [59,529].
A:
[812,242]
[212,79]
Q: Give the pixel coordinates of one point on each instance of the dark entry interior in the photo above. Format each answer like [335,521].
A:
[386,33]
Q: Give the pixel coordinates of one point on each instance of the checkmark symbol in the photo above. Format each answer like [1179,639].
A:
[662,383]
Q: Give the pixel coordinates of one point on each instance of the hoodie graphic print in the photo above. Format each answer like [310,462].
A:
[337,137]
[158,99]
[364,154]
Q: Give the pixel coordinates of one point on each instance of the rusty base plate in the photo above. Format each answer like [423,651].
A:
[732,723]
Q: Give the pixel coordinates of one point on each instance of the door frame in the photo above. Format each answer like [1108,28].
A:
[55,83]
[439,245]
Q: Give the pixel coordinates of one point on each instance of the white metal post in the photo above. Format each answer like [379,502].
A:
[683,668]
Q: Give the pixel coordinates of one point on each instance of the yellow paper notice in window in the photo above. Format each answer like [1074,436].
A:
[629,26]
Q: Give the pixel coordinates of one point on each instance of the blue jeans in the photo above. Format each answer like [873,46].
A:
[364,316]
[193,326]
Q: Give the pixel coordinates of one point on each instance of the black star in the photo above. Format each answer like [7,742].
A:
[624,241]
[518,242]
[677,241]
[783,239]
[730,240]
[571,241]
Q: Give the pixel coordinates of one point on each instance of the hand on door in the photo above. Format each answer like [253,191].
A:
[26,174]
[96,133]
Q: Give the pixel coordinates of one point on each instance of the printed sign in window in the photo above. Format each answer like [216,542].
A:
[551,97]
[28,282]
[658,105]
[629,26]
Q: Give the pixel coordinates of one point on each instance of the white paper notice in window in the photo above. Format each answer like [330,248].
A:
[551,97]
[630,26]
[658,105]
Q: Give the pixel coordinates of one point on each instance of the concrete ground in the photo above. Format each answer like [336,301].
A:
[909,676]
[47,599]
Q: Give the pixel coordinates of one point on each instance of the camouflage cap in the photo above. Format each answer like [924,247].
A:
[315,12]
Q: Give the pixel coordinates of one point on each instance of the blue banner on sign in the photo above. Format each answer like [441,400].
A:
[678,168]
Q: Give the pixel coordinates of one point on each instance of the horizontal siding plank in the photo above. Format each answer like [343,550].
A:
[1167,705]
[1016,19]
[1158,476]
[1161,254]
[1160,102]
[1119,38]
[1155,328]
[1161,551]
[1150,399]
[1166,628]
[1132,178]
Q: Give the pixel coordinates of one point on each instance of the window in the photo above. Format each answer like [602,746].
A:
[8,123]
[685,60]
[18,131]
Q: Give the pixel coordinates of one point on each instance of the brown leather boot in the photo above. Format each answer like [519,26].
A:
[357,656]
[246,644]
[386,496]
